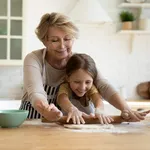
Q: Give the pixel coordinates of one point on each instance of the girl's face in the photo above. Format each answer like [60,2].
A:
[80,82]
[59,43]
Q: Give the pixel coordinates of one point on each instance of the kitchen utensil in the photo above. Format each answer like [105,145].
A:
[62,120]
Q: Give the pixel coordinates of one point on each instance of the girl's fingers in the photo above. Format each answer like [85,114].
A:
[111,119]
[74,119]
[82,120]
[69,117]
[77,120]
[104,119]
[100,119]
[108,120]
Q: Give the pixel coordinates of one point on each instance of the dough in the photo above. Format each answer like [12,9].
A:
[89,126]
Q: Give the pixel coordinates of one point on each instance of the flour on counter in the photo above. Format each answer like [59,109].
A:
[89,126]
[95,128]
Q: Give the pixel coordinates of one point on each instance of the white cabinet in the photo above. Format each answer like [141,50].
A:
[11,32]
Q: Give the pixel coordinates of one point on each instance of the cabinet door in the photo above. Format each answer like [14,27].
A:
[11,31]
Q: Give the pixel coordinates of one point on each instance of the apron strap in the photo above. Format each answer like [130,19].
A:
[43,66]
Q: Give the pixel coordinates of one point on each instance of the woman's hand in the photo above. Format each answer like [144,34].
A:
[75,115]
[52,113]
[104,119]
[49,112]
[133,116]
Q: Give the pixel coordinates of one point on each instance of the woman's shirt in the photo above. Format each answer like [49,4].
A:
[38,72]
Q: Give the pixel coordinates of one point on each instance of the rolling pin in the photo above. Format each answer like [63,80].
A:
[117,119]
[62,120]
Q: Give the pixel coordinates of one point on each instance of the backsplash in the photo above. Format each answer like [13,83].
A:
[11,81]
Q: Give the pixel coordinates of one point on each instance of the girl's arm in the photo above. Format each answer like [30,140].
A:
[72,111]
[97,101]
[99,109]
[64,102]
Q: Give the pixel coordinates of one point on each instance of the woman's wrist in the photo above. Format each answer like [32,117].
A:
[41,106]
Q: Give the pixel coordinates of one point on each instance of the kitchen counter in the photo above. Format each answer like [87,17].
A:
[109,109]
[34,135]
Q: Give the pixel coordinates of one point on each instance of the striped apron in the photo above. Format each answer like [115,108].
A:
[51,95]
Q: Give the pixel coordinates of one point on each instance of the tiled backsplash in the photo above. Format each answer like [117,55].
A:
[11,81]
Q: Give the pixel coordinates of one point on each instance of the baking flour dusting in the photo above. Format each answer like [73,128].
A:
[95,128]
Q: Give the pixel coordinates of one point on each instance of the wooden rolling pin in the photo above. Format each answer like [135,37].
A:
[117,119]
[62,120]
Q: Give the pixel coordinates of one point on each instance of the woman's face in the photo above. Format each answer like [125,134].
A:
[80,82]
[59,43]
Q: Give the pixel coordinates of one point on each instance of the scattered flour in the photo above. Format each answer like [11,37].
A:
[95,128]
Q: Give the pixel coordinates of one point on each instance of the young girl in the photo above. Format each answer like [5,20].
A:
[78,94]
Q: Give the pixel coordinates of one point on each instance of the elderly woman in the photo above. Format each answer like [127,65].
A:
[44,70]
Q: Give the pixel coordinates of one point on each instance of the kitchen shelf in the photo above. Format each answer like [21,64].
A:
[134,5]
[134,32]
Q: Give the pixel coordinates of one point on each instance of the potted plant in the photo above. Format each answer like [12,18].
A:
[127,19]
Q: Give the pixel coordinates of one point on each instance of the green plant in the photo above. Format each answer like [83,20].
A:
[126,16]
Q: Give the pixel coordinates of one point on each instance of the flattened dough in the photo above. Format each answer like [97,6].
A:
[89,126]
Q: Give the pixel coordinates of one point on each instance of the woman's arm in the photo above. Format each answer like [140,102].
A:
[112,96]
[118,102]
[109,93]
[33,84]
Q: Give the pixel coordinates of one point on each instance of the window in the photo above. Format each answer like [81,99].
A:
[11,29]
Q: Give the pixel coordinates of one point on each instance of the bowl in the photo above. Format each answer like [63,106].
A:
[12,118]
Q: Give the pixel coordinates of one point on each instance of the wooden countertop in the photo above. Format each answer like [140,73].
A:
[34,135]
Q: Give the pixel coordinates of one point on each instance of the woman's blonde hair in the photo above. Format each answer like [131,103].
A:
[55,20]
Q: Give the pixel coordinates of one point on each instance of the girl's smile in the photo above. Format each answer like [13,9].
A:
[80,82]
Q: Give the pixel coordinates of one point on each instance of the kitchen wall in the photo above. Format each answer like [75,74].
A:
[122,60]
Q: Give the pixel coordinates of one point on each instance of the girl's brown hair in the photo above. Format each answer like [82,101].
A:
[82,61]
[55,20]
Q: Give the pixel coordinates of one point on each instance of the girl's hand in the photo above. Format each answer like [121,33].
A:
[134,116]
[75,115]
[104,119]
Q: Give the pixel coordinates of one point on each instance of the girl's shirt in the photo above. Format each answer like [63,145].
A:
[65,89]
[84,103]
